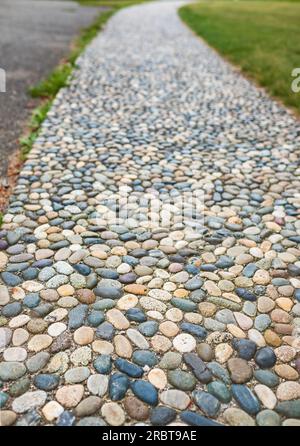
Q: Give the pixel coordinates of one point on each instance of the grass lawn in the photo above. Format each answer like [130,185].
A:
[261,37]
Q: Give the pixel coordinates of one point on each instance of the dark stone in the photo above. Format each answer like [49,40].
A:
[105,331]
[245,294]
[144,357]
[118,386]
[245,348]
[66,419]
[207,403]
[103,364]
[265,358]
[194,419]
[245,398]
[193,329]
[145,391]
[198,367]
[127,367]
[161,416]
[46,382]
[136,315]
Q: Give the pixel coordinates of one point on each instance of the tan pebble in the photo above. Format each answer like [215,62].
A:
[31,286]
[121,251]
[66,290]
[69,396]
[18,354]
[117,319]
[223,352]
[291,422]
[102,255]
[207,309]
[286,291]
[285,353]
[84,335]
[39,342]
[247,242]
[155,315]
[136,289]
[59,363]
[210,276]
[293,341]
[245,322]
[169,329]
[237,417]
[49,295]
[56,329]
[272,338]
[20,336]
[272,292]
[265,304]
[56,315]
[240,371]
[280,316]
[7,418]
[181,292]
[283,329]
[236,331]
[85,296]
[67,302]
[273,226]
[122,346]
[174,315]
[231,296]
[244,282]
[17,293]
[285,371]
[128,301]
[284,303]
[3,260]
[158,378]
[193,318]
[288,390]
[113,414]
[19,321]
[266,396]
[102,347]
[160,343]
[208,257]
[52,410]
[212,288]
[226,285]
[261,277]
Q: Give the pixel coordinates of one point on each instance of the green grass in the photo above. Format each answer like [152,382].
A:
[38,116]
[261,37]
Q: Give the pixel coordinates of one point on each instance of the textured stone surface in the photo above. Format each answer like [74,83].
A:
[138,320]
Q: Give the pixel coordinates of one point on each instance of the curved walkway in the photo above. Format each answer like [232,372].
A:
[114,312]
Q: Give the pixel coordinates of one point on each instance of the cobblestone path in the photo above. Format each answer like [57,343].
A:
[113,314]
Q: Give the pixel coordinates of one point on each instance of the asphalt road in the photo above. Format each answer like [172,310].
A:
[34,36]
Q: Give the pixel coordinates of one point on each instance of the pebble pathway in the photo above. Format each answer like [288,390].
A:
[103,323]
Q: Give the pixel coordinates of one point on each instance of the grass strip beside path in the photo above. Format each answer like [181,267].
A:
[261,37]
